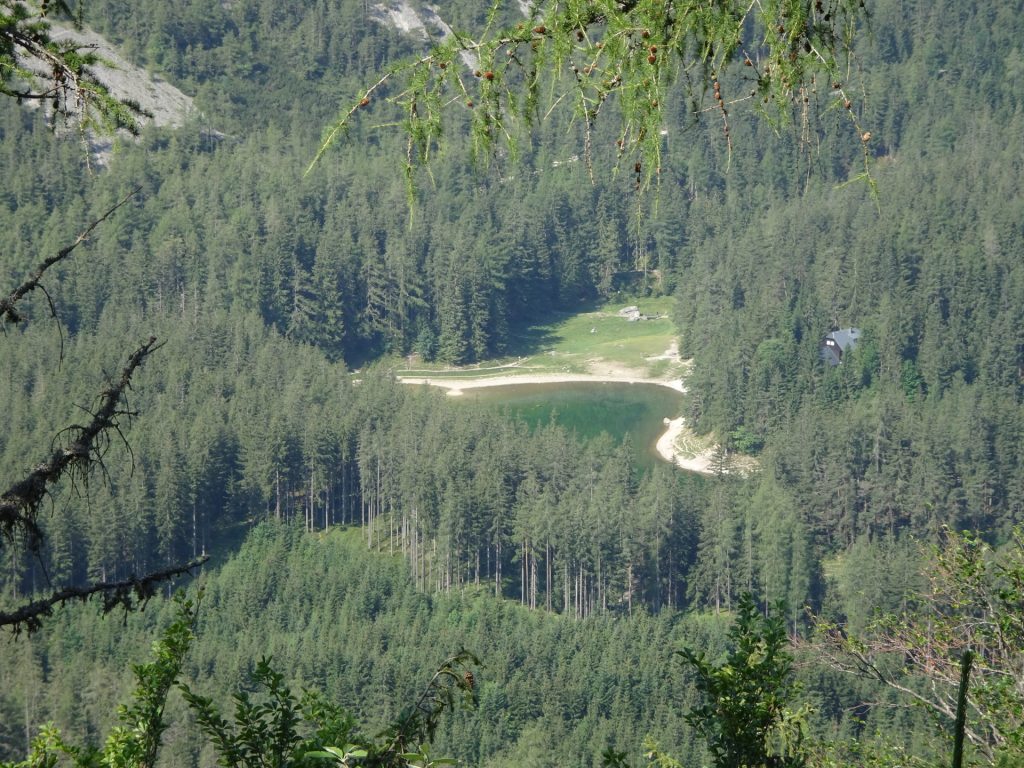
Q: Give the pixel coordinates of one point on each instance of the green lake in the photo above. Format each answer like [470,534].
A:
[590,408]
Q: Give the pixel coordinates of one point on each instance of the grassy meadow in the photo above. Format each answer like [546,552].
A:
[598,341]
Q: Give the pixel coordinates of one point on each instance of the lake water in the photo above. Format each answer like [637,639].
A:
[590,408]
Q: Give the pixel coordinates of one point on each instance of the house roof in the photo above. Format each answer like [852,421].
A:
[845,338]
[836,343]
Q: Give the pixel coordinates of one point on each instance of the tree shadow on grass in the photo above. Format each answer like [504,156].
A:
[529,340]
[537,336]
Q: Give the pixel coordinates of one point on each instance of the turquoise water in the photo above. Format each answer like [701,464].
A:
[590,408]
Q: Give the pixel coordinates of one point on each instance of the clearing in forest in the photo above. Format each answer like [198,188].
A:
[628,342]
[608,344]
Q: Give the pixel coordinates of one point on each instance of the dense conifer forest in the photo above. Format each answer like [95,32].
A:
[360,530]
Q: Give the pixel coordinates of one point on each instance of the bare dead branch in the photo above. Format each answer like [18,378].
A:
[129,593]
[8,305]
[20,504]
[836,650]
[972,604]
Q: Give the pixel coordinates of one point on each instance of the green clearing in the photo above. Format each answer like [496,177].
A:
[577,343]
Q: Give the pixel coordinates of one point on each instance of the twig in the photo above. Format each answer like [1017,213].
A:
[8,305]
[127,593]
[20,503]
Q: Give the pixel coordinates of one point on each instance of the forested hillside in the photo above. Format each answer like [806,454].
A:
[551,690]
[271,286]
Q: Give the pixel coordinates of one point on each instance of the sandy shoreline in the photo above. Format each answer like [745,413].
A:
[456,387]
[666,445]
[666,448]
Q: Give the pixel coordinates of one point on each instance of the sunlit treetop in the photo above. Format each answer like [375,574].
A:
[587,54]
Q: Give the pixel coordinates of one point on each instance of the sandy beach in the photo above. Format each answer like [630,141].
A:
[666,448]
[456,387]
